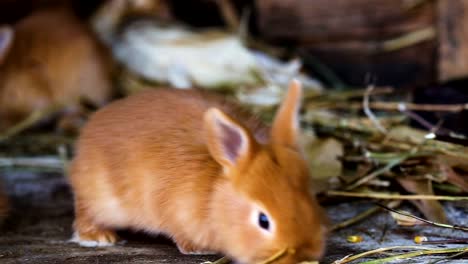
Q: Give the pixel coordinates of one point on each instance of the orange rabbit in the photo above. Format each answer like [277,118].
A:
[200,170]
[49,59]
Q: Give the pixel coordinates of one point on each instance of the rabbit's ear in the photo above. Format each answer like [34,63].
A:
[229,143]
[285,129]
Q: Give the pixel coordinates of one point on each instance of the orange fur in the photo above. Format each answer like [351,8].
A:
[163,161]
[50,60]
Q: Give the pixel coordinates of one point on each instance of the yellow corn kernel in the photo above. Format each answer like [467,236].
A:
[354,239]
[419,239]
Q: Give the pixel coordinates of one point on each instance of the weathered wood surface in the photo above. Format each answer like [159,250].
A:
[319,21]
[351,36]
[453,37]
[38,229]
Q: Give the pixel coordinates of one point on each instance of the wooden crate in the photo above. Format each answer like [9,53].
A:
[360,36]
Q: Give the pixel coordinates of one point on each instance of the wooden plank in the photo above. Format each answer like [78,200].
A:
[39,227]
[453,39]
[349,36]
[318,20]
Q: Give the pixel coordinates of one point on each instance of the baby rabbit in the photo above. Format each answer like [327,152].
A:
[198,169]
[49,59]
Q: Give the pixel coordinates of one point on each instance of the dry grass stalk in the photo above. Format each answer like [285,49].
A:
[39,162]
[28,122]
[409,39]
[446,241]
[270,260]
[223,260]
[456,227]
[450,257]
[416,254]
[420,251]
[229,14]
[385,196]
[397,106]
[278,255]
[378,172]
[350,258]
[362,216]
[370,115]
[337,96]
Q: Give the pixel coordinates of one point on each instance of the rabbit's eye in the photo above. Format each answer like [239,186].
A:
[263,221]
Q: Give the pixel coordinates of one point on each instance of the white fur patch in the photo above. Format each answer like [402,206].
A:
[88,243]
